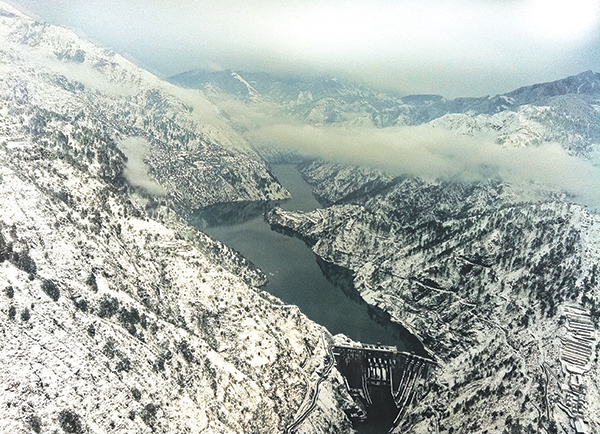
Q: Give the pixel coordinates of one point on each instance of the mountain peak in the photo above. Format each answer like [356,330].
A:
[587,82]
[589,73]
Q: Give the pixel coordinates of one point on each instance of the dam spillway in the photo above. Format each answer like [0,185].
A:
[365,367]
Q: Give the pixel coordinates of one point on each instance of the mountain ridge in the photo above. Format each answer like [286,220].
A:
[563,111]
[116,315]
[587,82]
[493,283]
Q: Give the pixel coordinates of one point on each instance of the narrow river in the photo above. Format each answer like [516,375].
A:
[295,275]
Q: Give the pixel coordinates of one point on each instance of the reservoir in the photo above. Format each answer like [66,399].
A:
[296,276]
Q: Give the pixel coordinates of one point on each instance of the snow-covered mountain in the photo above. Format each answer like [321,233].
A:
[498,281]
[570,119]
[67,84]
[325,100]
[501,287]
[115,315]
[566,111]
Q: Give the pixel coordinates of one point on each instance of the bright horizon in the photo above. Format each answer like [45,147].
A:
[462,48]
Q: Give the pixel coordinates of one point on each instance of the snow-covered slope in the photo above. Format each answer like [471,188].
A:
[113,321]
[566,111]
[500,282]
[571,120]
[501,287]
[315,101]
[115,315]
[192,153]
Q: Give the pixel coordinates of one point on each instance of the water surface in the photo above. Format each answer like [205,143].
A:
[293,270]
[296,276]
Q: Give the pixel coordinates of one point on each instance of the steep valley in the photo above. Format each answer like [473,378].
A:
[117,314]
[494,285]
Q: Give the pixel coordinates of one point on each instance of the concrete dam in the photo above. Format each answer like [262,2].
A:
[367,366]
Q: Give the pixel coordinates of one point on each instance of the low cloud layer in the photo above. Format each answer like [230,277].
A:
[435,153]
[460,48]
[422,151]
[136,171]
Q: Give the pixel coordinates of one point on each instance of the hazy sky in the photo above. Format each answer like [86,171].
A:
[454,48]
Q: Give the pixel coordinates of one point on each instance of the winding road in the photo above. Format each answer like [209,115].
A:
[331,362]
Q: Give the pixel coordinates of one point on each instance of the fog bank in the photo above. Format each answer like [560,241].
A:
[136,171]
[433,153]
[457,48]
